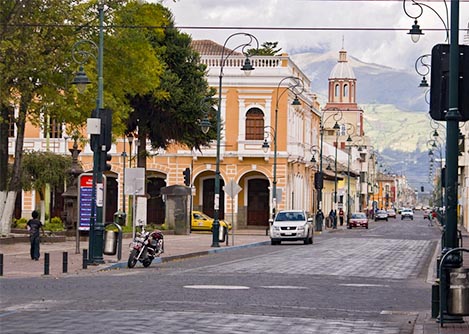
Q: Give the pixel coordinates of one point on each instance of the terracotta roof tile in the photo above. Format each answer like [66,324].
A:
[207,47]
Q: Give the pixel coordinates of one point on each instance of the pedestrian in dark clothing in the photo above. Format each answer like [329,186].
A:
[341,216]
[319,219]
[34,225]
[333,219]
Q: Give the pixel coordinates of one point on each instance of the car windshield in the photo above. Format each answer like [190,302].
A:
[290,216]
[381,212]
[358,215]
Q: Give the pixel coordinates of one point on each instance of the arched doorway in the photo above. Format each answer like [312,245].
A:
[111,198]
[155,204]
[209,197]
[258,202]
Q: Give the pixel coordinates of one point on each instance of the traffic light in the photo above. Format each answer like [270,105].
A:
[105,157]
[187,176]
[439,84]
[105,137]
[318,180]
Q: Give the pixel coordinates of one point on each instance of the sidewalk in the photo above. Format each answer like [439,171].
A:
[17,262]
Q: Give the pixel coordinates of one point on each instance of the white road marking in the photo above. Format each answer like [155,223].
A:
[219,287]
[365,285]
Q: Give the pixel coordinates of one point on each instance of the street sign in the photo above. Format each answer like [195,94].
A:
[85,195]
[134,181]
[232,189]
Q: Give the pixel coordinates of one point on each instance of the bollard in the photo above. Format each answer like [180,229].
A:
[85,258]
[1,264]
[435,299]
[64,262]
[46,263]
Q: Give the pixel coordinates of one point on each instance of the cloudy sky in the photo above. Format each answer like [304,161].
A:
[300,25]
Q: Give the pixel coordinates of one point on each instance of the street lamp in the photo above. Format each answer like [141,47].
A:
[81,56]
[423,69]
[296,86]
[337,116]
[452,118]
[247,68]
[415,32]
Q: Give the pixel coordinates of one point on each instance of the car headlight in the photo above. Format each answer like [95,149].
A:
[301,228]
[276,228]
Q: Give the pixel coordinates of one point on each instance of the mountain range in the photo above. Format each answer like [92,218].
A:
[395,111]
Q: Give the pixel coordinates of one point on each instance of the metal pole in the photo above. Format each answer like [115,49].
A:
[348,187]
[216,202]
[274,183]
[335,167]
[451,191]
[96,221]
[321,129]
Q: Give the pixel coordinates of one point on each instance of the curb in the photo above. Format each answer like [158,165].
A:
[121,265]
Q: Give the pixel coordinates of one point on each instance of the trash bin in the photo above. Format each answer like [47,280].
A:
[458,294]
[110,243]
[222,233]
[119,218]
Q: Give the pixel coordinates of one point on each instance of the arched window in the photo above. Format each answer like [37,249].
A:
[336,90]
[254,124]
[345,90]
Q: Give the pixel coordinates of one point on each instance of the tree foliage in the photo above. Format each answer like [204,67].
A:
[266,49]
[173,114]
[150,73]
[41,168]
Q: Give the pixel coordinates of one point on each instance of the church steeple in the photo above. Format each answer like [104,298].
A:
[342,81]
[343,92]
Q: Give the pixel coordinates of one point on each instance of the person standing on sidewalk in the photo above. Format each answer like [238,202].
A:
[341,216]
[34,225]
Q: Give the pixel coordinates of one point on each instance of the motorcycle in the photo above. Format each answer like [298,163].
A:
[145,247]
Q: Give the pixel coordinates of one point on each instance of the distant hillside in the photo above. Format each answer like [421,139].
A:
[395,111]
[376,84]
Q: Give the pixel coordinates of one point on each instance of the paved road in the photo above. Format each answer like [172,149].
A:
[350,281]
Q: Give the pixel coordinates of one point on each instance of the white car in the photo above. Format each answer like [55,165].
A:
[291,225]
[407,213]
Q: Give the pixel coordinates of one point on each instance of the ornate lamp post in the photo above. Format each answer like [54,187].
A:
[247,68]
[296,86]
[337,116]
[452,118]
[81,56]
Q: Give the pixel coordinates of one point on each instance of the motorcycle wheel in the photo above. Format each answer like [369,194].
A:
[132,258]
[146,263]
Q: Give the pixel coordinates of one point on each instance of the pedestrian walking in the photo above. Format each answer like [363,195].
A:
[333,219]
[431,218]
[34,225]
[341,216]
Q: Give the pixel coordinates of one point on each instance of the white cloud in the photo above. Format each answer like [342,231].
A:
[390,48]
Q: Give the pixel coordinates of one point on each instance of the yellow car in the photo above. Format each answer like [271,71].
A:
[202,222]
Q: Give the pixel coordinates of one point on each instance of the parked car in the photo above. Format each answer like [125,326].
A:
[202,222]
[291,225]
[381,215]
[407,213]
[358,219]
[391,213]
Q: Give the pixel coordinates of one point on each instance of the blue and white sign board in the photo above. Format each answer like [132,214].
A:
[85,198]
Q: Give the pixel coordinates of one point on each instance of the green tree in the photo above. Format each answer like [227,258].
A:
[173,113]
[36,67]
[41,168]
[33,43]
[266,49]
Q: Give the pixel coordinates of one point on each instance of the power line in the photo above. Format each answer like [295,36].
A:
[35,25]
